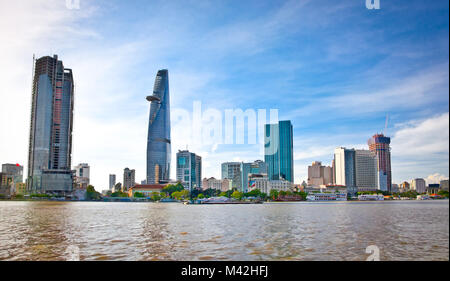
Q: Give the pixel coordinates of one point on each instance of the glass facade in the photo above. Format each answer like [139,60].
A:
[279,151]
[158,142]
[50,146]
[189,169]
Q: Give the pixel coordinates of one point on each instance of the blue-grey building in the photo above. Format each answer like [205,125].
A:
[345,168]
[189,169]
[50,142]
[158,141]
[232,171]
[257,167]
[279,151]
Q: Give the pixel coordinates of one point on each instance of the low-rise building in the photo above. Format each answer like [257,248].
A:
[261,182]
[444,185]
[6,185]
[213,183]
[146,189]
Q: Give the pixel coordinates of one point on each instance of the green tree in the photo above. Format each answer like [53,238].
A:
[223,194]
[200,196]
[273,194]
[139,195]
[237,195]
[155,196]
[91,194]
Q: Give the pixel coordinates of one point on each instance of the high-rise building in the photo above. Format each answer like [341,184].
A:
[189,169]
[232,171]
[15,170]
[128,179]
[366,171]
[379,145]
[344,160]
[256,167]
[50,143]
[82,175]
[112,181]
[158,141]
[419,185]
[444,185]
[319,175]
[279,151]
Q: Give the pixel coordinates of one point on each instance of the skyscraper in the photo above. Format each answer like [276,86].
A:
[128,178]
[279,151]
[189,169]
[366,171]
[232,171]
[345,168]
[379,145]
[112,181]
[50,143]
[158,141]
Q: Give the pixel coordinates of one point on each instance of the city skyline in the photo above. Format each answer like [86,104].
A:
[111,115]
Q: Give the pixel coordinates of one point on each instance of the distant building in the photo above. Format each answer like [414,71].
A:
[418,185]
[257,167]
[146,189]
[366,171]
[213,183]
[261,182]
[128,179]
[319,175]
[112,181]
[404,187]
[82,176]
[345,167]
[444,185]
[433,188]
[279,151]
[50,139]
[395,188]
[379,146]
[6,185]
[189,169]
[232,171]
[15,170]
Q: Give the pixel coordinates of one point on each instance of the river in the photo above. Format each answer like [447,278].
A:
[401,230]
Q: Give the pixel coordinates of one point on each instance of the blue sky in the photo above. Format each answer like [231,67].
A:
[334,68]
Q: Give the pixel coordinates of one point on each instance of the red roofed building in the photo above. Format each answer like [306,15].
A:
[146,189]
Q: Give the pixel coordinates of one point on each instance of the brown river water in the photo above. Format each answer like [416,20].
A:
[401,230]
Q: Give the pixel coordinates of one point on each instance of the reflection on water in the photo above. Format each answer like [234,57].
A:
[406,230]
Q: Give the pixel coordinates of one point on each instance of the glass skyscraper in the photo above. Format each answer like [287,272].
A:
[189,169]
[279,151]
[158,142]
[50,143]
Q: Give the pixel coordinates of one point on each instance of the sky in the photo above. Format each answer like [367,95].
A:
[336,69]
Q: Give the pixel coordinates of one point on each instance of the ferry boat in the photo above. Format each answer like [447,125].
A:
[327,197]
[222,200]
[371,197]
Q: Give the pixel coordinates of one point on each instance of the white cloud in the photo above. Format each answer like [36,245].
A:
[435,178]
[423,138]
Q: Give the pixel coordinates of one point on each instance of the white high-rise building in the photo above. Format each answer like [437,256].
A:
[366,170]
[82,175]
[344,161]
[418,185]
